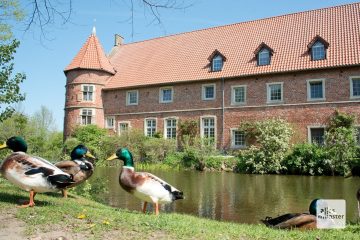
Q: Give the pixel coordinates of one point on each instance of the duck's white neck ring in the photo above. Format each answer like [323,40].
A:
[131,168]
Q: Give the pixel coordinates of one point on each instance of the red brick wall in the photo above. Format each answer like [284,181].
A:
[73,97]
[188,104]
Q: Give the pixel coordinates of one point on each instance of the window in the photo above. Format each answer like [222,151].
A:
[208,127]
[316,89]
[217,63]
[88,92]
[263,57]
[166,94]
[274,92]
[123,127]
[316,135]
[208,92]
[86,116]
[170,128]
[238,94]
[132,97]
[150,127]
[355,87]
[110,122]
[237,138]
[318,51]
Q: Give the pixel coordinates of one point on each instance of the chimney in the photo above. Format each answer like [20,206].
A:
[118,40]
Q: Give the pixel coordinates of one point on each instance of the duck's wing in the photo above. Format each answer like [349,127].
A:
[69,167]
[152,177]
[291,220]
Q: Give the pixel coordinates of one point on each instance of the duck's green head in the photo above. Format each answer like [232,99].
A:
[312,207]
[79,152]
[125,155]
[16,143]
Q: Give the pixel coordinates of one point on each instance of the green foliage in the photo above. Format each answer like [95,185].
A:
[308,159]
[272,143]
[9,84]
[10,12]
[340,142]
[93,189]
[154,150]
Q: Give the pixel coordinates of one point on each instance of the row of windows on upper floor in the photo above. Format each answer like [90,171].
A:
[315,91]
[316,48]
[316,134]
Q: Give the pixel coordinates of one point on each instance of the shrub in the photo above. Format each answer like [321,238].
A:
[308,159]
[272,143]
[155,150]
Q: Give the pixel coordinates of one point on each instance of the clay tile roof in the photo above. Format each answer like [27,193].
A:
[184,57]
[91,56]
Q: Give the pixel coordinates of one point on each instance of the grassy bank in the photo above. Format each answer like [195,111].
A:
[80,218]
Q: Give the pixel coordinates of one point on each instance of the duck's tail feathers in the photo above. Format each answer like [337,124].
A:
[61,180]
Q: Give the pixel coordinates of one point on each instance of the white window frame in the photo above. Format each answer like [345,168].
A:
[204,86]
[214,61]
[232,138]
[122,122]
[166,127]
[145,126]
[268,90]
[202,126]
[351,87]
[161,100]
[233,102]
[92,116]
[308,84]
[82,92]
[313,127]
[106,122]
[128,97]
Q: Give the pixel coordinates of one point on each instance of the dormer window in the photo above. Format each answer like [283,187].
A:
[263,54]
[318,51]
[217,63]
[264,57]
[317,48]
[216,60]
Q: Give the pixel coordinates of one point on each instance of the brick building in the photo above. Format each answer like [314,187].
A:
[300,67]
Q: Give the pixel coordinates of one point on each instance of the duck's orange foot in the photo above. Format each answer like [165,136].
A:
[25,204]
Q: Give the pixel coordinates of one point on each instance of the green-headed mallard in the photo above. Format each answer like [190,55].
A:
[30,173]
[143,185]
[294,220]
[79,167]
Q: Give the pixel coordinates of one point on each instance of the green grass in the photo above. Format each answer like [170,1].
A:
[53,212]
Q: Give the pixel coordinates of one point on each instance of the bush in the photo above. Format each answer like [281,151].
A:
[155,150]
[308,159]
[272,139]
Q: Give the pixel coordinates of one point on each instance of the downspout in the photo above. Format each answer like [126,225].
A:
[222,113]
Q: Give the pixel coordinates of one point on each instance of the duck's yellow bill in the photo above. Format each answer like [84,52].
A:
[2,146]
[112,157]
[90,155]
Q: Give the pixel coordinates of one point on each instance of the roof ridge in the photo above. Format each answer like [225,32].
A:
[97,52]
[238,23]
[87,43]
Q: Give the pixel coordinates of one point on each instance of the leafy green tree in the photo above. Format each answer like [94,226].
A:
[340,142]
[9,84]
[10,12]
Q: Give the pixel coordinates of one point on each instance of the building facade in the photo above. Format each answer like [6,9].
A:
[300,67]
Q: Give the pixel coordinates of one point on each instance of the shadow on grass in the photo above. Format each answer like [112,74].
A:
[19,199]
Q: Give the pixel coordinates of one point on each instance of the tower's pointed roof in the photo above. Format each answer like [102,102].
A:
[91,56]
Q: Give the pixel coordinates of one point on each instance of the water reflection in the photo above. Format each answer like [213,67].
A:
[238,197]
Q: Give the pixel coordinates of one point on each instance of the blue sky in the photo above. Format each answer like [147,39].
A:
[44,61]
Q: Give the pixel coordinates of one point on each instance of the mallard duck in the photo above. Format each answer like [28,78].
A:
[33,174]
[79,167]
[143,185]
[294,220]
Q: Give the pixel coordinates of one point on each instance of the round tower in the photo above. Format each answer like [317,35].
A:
[86,76]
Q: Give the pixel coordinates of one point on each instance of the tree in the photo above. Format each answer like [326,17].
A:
[9,84]
[9,12]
